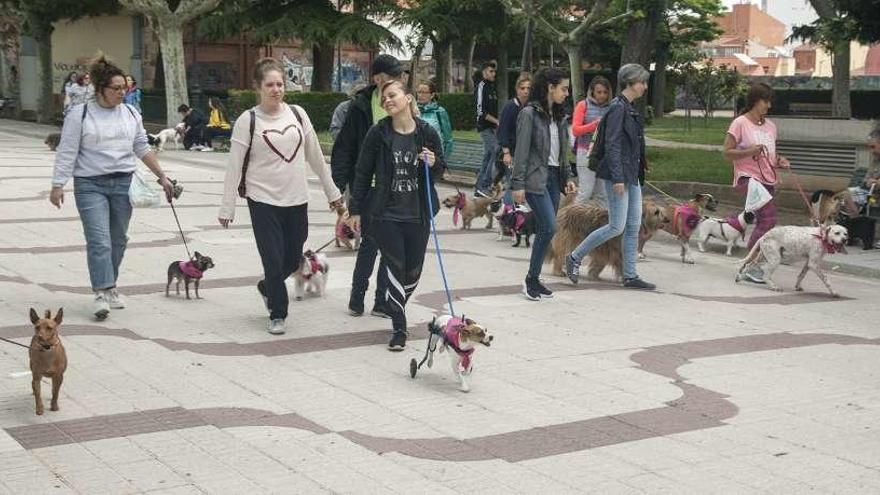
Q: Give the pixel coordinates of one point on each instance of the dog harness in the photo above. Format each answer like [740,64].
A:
[733,221]
[314,265]
[189,269]
[689,216]
[343,231]
[460,203]
[452,335]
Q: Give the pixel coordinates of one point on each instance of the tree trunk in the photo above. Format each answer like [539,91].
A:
[441,63]
[42,33]
[577,77]
[414,64]
[322,67]
[170,33]
[502,79]
[641,36]
[658,97]
[449,67]
[469,81]
[840,97]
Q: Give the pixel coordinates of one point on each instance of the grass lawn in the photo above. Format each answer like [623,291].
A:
[672,128]
[689,165]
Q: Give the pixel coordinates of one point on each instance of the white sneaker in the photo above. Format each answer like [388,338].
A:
[276,327]
[100,305]
[115,299]
[207,149]
[196,147]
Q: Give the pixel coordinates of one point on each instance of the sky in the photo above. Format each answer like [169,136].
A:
[791,12]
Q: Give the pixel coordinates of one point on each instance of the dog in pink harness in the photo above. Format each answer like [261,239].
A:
[311,277]
[457,336]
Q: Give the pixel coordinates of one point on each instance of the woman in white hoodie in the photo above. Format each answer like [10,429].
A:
[271,145]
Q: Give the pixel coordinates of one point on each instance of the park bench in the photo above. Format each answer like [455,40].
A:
[816,109]
[467,156]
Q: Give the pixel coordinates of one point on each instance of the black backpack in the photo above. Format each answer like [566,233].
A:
[597,150]
[242,188]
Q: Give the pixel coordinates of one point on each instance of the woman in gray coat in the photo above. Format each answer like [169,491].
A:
[540,168]
[622,166]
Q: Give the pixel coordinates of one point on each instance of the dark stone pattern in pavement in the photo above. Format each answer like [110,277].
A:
[698,408]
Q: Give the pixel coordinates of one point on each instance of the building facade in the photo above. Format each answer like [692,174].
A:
[752,43]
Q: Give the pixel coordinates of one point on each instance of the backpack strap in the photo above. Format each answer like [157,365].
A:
[242,188]
[297,114]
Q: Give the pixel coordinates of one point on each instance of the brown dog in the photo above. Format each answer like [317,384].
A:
[470,208]
[47,356]
[826,205]
[577,221]
[685,218]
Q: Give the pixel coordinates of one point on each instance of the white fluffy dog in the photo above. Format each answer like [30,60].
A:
[793,242]
[458,338]
[311,277]
[165,136]
[729,230]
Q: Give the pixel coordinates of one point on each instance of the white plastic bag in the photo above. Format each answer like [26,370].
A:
[141,194]
[757,196]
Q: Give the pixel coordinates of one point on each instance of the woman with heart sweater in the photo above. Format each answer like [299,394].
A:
[271,145]
[392,157]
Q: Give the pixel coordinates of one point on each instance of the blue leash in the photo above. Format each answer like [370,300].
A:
[434,233]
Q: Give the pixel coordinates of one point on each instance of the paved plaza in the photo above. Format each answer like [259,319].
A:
[704,387]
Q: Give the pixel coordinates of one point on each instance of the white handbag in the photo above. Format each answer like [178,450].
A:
[757,196]
[141,194]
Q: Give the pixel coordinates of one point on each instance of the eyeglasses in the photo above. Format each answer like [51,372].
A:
[117,88]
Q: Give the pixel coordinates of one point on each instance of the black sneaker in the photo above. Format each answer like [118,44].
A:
[380,310]
[572,269]
[637,283]
[398,341]
[355,305]
[543,290]
[530,289]
[261,288]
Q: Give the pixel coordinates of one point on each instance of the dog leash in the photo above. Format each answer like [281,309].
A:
[814,216]
[182,236]
[14,342]
[661,191]
[316,251]
[434,233]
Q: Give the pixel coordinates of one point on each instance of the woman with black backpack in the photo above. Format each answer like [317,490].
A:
[271,145]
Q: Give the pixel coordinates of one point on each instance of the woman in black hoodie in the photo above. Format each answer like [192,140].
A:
[392,159]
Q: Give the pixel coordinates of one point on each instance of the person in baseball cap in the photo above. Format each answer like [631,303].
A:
[364,110]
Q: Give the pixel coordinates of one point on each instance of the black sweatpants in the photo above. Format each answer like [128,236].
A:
[403,247]
[280,232]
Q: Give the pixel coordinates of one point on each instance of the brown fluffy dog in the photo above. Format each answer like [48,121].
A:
[577,221]
[47,356]
[470,208]
[685,218]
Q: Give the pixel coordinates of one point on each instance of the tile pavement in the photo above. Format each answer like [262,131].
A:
[706,386]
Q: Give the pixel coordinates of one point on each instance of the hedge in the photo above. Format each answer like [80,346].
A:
[461,109]
[865,103]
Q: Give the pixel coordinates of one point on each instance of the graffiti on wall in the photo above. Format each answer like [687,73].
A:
[351,74]
[297,73]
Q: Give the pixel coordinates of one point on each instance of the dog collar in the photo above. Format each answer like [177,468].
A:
[314,265]
[460,203]
[829,247]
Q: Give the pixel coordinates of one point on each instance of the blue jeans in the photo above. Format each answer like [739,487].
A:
[624,217]
[104,209]
[544,205]
[490,154]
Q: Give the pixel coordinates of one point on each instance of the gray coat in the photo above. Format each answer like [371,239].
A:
[530,166]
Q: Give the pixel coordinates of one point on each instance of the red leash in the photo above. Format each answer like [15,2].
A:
[813,215]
